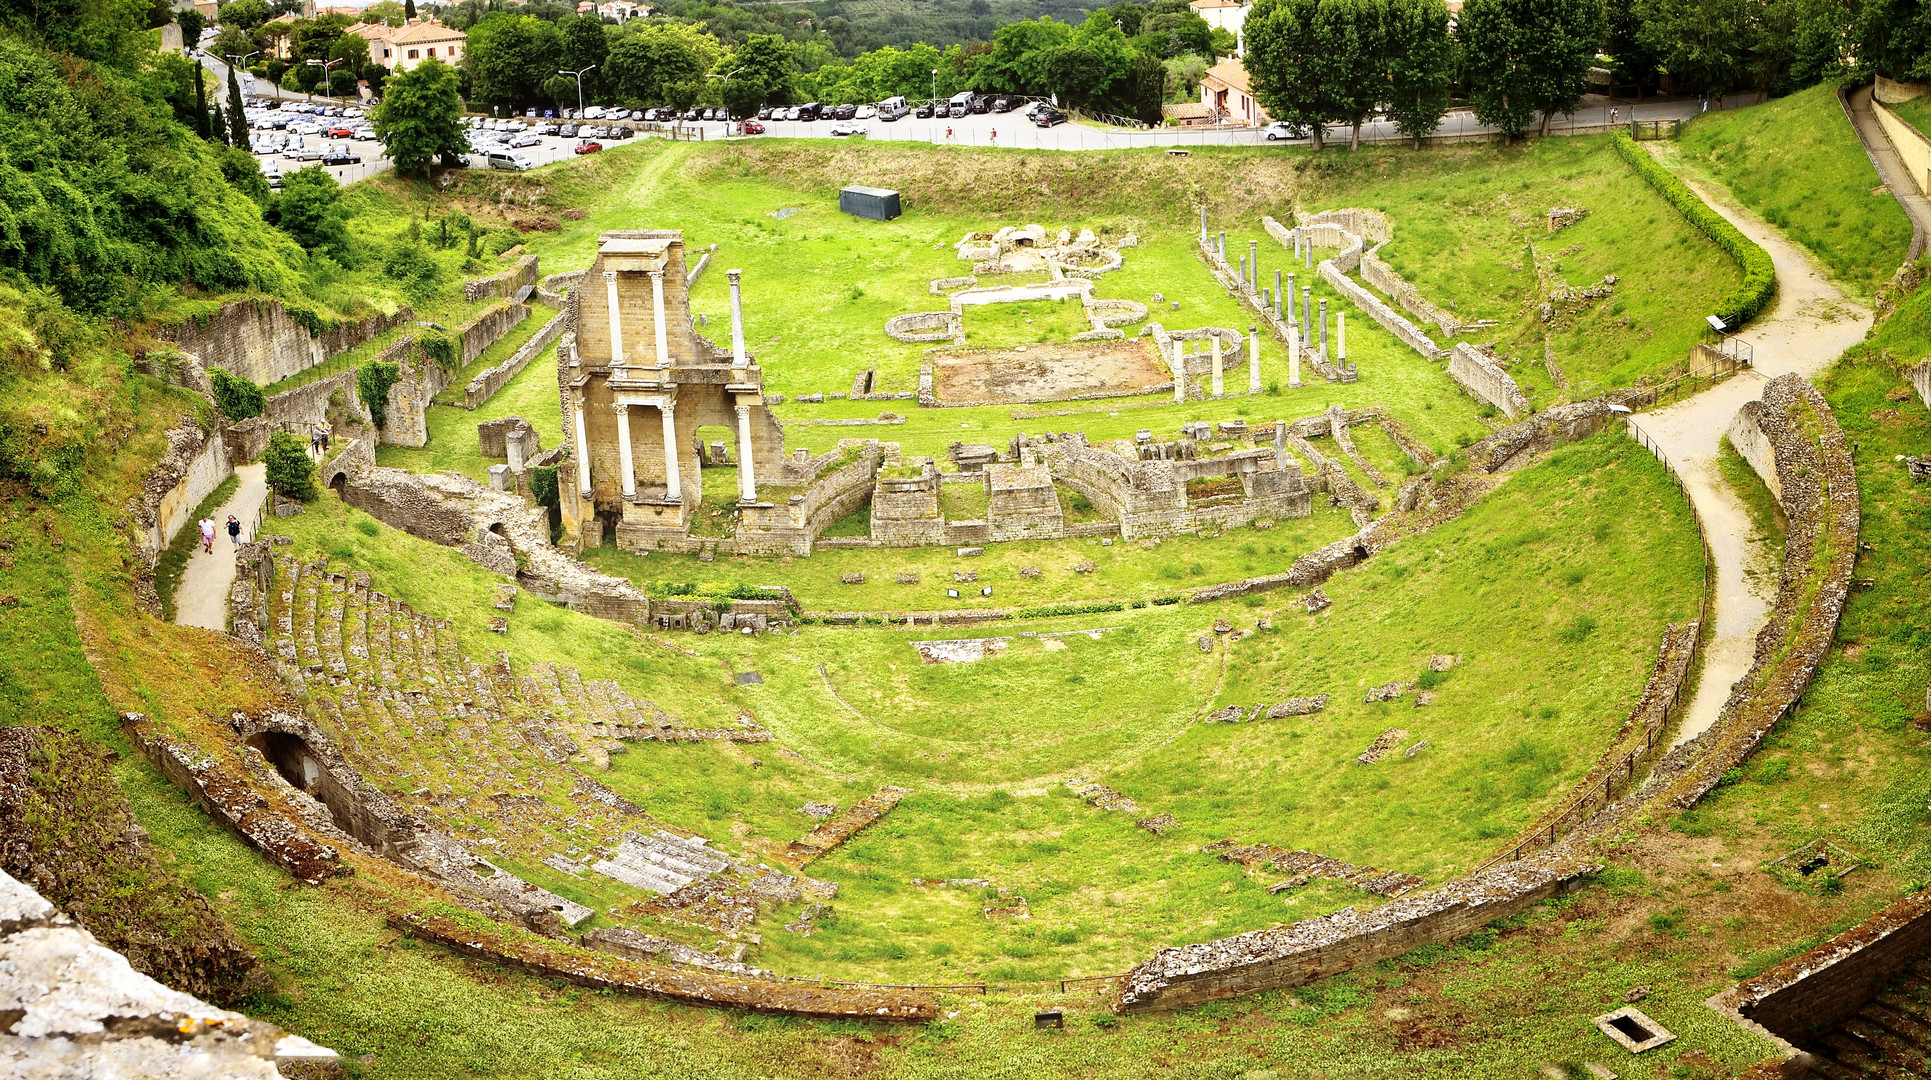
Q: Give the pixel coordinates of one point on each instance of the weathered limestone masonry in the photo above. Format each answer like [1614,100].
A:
[505,283]
[1350,231]
[75,1008]
[1149,498]
[766,528]
[1486,381]
[1920,377]
[554,290]
[830,834]
[1524,441]
[1754,445]
[905,509]
[551,960]
[1800,1001]
[296,411]
[196,463]
[353,457]
[636,356]
[488,381]
[1022,503]
[258,340]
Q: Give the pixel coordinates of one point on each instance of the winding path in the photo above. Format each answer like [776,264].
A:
[1810,325]
[1890,168]
[202,597]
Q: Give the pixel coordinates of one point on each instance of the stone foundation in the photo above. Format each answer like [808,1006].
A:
[1486,381]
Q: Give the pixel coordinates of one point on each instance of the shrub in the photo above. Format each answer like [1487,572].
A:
[544,488]
[1045,611]
[1759,276]
[372,383]
[290,472]
[440,347]
[237,398]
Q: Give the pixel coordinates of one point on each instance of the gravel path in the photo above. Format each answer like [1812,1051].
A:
[1890,168]
[1810,325]
[202,598]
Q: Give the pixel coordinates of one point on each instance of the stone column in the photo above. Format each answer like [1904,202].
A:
[747,480]
[1179,371]
[1218,390]
[672,481]
[583,449]
[1253,359]
[1341,332]
[1253,265]
[1243,271]
[617,360]
[1307,316]
[626,465]
[1221,245]
[1203,225]
[1293,363]
[1324,328]
[1310,252]
[1277,293]
[1280,444]
[737,318]
[657,311]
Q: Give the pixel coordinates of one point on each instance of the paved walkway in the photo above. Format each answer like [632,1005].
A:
[1810,325]
[202,599]
[1890,169]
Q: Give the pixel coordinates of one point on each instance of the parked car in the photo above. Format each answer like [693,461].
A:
[340,156]
[843,128]
[455,161]
[843,112]
[752,127]
[924,112]
[509,159]
[522,141]
[308,153]
[548,129]
[980,105]
[622,133]
[1282,129]
[569,131]
[790,113]
[365,135]
[959,108]
[588,147]
[1048,117]
[764,113]
[1001,105]
[867,112]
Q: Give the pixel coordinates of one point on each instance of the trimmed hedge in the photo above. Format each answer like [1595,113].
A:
[1046,611]
[1751,298]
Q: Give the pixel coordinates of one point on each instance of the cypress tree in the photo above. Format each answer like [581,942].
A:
[237,115]
[200,105]
[409,10]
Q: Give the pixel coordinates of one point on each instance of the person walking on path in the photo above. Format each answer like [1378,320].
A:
[328,432]
[208,535]
[234,531]
[315,440]
[995,136]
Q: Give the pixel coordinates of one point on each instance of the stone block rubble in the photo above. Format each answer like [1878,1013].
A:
[859,816]
[1302,866]
[71,1008]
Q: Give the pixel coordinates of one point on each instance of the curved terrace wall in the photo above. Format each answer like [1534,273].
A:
[261,341]
[1820,500]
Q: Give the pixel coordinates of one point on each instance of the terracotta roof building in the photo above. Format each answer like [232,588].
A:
[1226,91]
[1228,15]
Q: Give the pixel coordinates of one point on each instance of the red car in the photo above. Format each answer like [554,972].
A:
[589,147]
[752,127]
[340,132]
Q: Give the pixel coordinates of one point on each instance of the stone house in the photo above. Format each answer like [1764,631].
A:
[1226,90]
[1228,15]
[407,46]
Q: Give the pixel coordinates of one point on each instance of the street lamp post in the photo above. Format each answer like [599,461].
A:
[721,91]
[325,65]
[578,75]
[237,61]
[935,90]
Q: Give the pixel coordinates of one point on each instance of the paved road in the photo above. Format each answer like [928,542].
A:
[1890,168]
[1810,325]
[202,598]
[1013,129]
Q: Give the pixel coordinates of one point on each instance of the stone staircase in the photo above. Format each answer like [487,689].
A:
[1890,1037]
[485,753]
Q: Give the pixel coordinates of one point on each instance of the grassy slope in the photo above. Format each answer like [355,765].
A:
[1761,153]
[452,445]
[1916,112]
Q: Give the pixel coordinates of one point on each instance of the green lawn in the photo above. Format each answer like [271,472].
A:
[1005,325]
[1917,113]
[1798,164]
[453,446]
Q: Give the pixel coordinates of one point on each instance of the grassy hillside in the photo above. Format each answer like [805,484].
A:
[1798,163]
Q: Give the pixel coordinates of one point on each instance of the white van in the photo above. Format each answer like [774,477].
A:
[510,159]
[893,108]
[961,104]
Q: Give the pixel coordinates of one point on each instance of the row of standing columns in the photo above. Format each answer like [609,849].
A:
[1301,331]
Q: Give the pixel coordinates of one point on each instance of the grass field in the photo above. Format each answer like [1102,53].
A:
[1917,113]
[1798,164]
[452,445]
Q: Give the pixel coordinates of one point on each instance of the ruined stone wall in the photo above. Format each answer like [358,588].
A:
[923,326]
[488,328]
[258,340]
[406,414]
[1753,444]
[502,284]
[1378,310]
[1027,509]
[905,512]
[793,527]
[1383,277]
[1813,993]
[196,463]
[1920,377]
[1522,442]
[1371,225]
[352,458]
[1484,379]
[295,411]
[488,381]
[393,497]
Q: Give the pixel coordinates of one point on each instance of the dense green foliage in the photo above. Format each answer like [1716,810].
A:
[290,471]
[421,116]
[236,397]
[1759,276]
[309,209]
[1521,57]
[372,383]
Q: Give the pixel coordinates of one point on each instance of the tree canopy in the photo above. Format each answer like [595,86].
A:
[421,116]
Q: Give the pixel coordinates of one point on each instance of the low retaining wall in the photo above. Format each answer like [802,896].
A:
[490,380]
[1913,149]
[495,944]
[295,411]
[1383,277]
[1920,377]
[1522,442]
[488,328]
[196,463]
[923,326]
[1481,377]
[260,341]
[503,284]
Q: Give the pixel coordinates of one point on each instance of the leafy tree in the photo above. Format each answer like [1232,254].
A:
[377,77]
[232,40]
[1093,69]
[200,104]
[236,397]
[661,64]
[421,116]
[243,173]
[352,50]
[191,26]
[341,82]
[1170,34]
[1631,61]
[1286,66]
[1146,89]
[372,383]
[1803,42]
[237,117]
[408,9]
[386,12]
[763,76]
[1520,57]
[1894,37]
[1701,42]
[307,76]
[312,39]
[244,15]
[289,471]
[1354,61]
[309,209]
[1018,61]
[1224,43]
[509,57]
[1420,65]
[585,44]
